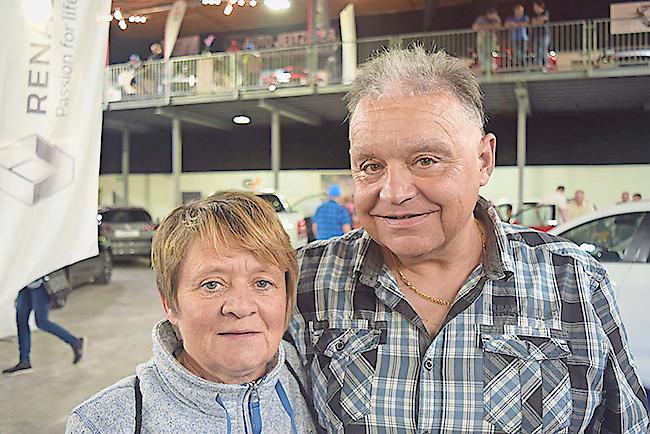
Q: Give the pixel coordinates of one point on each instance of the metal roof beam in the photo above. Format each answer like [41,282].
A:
[193,118]
[288,113]
[121,126]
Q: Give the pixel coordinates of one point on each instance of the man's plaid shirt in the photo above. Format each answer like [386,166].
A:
[533,343]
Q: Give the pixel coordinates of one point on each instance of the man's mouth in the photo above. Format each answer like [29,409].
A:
[403,217]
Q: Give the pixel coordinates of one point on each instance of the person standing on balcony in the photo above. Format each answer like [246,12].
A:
[541,33]
[331,218]
[485,27]
[518,25]
[156,51]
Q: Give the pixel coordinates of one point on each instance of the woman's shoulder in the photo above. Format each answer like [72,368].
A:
[112,407]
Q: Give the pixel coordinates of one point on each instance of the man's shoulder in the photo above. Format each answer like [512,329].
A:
[553,248]
[339,254]
[353,240]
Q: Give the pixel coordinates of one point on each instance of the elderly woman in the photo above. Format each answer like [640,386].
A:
[226,273]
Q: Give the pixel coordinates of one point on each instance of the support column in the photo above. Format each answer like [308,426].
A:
[177,159]
[126,162]
[275,148]
[523,109]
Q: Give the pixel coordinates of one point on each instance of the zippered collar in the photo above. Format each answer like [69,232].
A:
[198,392]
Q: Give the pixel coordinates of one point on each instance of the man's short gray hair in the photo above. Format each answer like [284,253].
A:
[413,71]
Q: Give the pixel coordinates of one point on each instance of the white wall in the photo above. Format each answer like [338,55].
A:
[602,184]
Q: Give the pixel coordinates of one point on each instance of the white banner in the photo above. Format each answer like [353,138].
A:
[52,57]
[631,17]
[349,42]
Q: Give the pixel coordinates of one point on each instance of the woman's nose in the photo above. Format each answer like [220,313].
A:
[240,303]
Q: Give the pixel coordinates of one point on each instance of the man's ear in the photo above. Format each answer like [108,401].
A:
[487,157]
[169,311]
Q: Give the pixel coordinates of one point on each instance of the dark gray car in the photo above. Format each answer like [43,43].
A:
[128,229]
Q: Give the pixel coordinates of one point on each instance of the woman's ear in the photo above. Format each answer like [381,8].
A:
[169,311]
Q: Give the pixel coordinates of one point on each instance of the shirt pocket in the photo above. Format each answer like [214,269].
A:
[526,383]
[348,358]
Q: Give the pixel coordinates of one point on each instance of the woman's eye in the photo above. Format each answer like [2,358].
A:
[212,285]
[263,284]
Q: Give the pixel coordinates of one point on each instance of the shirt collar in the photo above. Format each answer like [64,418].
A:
[498,262]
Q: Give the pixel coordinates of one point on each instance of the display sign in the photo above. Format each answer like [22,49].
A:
[51,80]
[632,17]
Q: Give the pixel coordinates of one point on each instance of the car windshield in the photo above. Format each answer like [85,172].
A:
[126,216]
[273,200]
[606,238]
[535,215]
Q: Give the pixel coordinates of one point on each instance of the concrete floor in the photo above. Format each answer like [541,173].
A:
[117,320]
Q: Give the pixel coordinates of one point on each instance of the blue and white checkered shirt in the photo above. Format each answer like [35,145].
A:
[330,218]
[532,344]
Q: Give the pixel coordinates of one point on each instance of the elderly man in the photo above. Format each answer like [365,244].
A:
[437,317]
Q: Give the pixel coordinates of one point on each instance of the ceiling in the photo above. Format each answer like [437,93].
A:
[546,97]
[210,19]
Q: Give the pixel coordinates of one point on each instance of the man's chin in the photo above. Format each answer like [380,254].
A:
[410,246]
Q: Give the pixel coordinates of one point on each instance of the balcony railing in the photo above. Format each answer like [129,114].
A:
[556,47]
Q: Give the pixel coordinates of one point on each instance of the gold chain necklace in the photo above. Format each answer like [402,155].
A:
[427,297]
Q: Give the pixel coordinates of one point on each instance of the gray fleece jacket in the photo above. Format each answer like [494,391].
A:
[177,401]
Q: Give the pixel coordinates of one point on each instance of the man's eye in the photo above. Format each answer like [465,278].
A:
[263,284]
[370,168]
[212,285]
[425,161]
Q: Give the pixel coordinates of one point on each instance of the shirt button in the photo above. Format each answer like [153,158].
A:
[428,364]
[339,345]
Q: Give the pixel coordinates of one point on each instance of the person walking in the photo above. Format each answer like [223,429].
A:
[34,297]
[331,218]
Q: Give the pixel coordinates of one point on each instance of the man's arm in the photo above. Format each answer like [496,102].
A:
[346,220]
[314,229]
[623,408]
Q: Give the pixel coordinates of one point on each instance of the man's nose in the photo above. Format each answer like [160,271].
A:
[240,303]
[397,185]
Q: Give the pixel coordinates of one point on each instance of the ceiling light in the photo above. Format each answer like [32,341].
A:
[241,120]
[122,24]
[277,4]
[118,14]
[252,3]
[228,10]
[241,3]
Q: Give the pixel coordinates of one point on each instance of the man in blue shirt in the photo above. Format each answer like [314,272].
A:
[331,219]
[518,25]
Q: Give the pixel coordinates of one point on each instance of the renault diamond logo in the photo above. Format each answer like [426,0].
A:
[32,169]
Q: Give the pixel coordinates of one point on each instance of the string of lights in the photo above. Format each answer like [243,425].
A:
[123,20]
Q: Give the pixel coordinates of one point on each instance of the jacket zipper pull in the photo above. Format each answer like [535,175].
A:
[254,409]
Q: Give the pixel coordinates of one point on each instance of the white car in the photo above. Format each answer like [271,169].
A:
[293,222]
[620,239]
